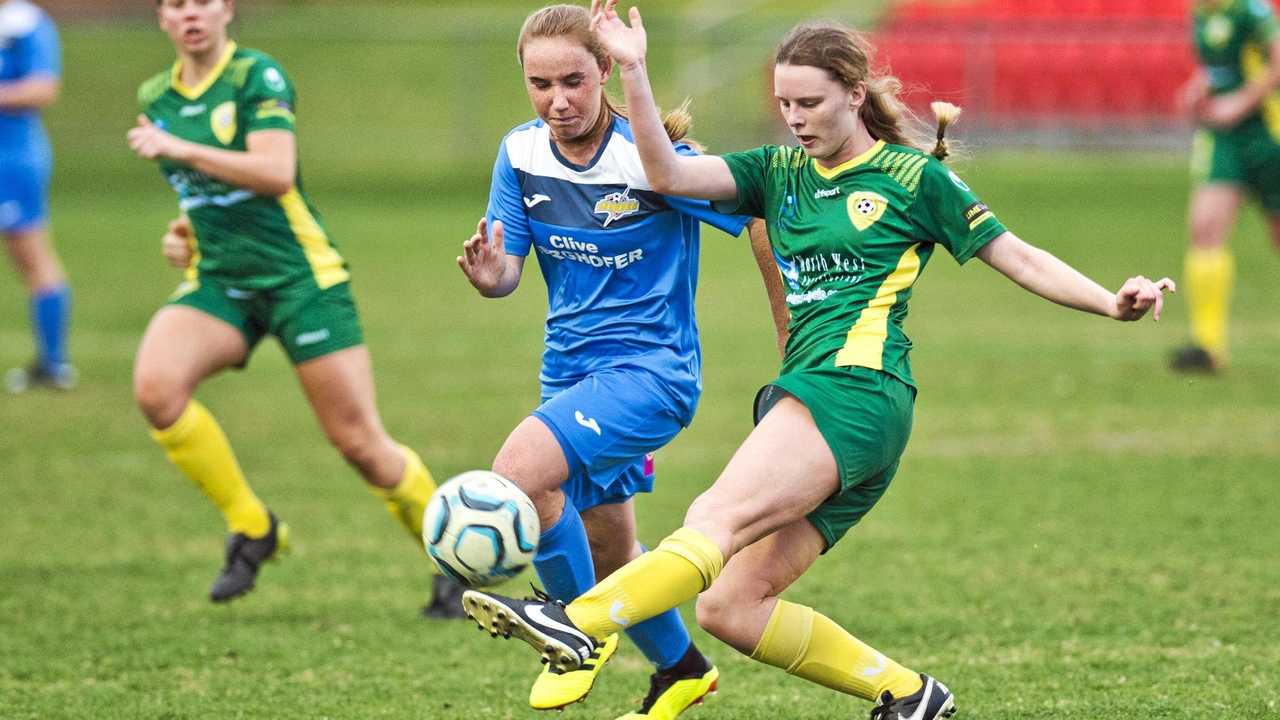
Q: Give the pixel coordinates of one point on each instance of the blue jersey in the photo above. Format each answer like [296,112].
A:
[620,260]
[28,48]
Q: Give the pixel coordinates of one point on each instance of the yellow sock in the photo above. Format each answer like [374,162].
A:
[809,645]
[1210,274]
[408,499]
[197,445]
[683,565]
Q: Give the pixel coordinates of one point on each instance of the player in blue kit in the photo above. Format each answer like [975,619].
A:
[30,79]
[621,372]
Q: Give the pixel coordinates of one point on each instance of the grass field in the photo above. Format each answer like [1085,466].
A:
[1075,533]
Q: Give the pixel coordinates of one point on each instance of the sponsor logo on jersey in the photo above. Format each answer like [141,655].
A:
[238,294]
[865,208]
[827,193]
[273,79]
[311,338]
[537,199]
[976,214]
[223,122]
[192,110]
[616,206]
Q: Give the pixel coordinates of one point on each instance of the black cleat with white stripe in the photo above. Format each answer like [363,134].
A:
[541,622]
[931,702]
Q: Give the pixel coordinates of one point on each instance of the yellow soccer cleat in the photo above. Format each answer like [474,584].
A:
[554,689]
[671,694]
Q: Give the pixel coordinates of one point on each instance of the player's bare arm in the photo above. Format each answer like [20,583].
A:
[268,166]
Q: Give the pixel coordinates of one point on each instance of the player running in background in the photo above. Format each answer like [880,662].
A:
[854,214]
[1232,96]
[30,79]
[258,262]
[621,372]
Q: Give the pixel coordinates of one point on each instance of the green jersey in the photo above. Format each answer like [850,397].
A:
[1233,41]
[245,240]
[850,243]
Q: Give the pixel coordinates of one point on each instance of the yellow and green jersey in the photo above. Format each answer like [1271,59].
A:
[1233,42]
[851,241]
[245,240]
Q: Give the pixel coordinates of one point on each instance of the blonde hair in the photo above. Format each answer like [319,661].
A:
[845,55]
[574,22]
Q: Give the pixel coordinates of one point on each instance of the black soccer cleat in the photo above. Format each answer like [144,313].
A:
[1193,359]
[39,375]
[245,556]
[931,702]
[446,599]
[541,622]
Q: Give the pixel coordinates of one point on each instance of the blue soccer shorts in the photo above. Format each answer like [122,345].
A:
[608,425]
[24,189]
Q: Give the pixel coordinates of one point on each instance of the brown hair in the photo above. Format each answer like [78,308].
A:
[845,55]
[574,22]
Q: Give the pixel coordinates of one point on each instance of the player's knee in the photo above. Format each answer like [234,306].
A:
[360,447]
[607,555]
[161,397]
[1207,232]
[716,611]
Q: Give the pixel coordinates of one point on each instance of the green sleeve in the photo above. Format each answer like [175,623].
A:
[947,212]
[748,168]
[267,98]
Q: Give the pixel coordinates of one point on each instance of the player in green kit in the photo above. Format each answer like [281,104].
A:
[854,214]
[1232,97]
[258,261]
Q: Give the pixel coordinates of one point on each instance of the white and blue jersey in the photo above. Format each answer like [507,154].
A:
[28,49]
[622,369]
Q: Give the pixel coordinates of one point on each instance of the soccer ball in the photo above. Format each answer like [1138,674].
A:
[480,529]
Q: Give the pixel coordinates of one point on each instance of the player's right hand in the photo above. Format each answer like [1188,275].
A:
[625,44]
[484,262]
[178,243]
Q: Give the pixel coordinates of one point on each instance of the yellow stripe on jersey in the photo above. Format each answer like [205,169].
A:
[191,93]
[864,346]
[326,263]
[276,113]
[985,216]
[1254,64]
[848,164]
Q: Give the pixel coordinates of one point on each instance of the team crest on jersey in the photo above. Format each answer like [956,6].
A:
[615,206]
[223,122]
[865,208]
[1217,31]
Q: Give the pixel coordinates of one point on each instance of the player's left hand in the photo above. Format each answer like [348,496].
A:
[151,143]
[1138,295]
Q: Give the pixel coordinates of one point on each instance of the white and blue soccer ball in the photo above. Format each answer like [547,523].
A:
[480,529]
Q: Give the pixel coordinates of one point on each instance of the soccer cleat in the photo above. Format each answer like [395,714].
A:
[244,556]
[1193,359]
[554,689]
[446,599]
[672,692]
[37,375]
[930,702]
[540,622]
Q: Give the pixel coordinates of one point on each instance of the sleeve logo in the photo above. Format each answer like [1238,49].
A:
[865,208]
[223,122]
[273,79]
[955,179]
[976,214]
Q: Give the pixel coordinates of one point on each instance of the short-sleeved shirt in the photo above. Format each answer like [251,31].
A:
[245,240]
[850,242]
[1233,42]
[28,49]
[620,260]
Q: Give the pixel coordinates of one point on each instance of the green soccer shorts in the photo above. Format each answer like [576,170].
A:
[308,322]
[865,416]
[1248,157]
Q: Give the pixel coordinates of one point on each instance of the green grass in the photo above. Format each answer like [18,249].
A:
[1075,533]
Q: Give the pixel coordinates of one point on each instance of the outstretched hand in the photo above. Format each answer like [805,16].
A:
[625,44]
[151,142]
[484,262]
[1138,295]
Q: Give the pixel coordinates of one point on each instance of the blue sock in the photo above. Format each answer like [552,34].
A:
[662,638]
[563,561]
[50,318]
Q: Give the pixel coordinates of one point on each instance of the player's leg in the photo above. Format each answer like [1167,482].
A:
[24,221]
[182,346]
[1209,266]
[744,609]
